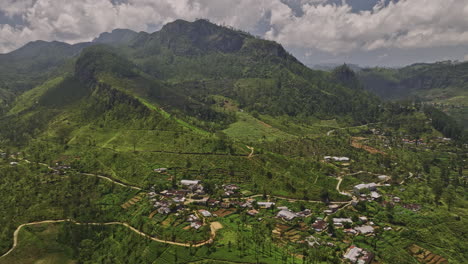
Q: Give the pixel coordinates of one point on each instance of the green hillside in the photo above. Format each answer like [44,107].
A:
[443,84]
[94,151]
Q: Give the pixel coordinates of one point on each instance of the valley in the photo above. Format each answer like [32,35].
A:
[204,144]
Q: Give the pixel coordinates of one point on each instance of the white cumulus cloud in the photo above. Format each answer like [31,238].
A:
[332,28]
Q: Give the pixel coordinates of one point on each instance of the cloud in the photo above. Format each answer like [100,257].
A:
[75,21]
[405,24]
[321,25]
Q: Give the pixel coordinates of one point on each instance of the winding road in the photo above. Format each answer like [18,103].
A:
[214,226]
[251,151]
[113,181]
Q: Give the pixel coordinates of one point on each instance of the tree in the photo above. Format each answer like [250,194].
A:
[450,196]
[325,196]
[134,140]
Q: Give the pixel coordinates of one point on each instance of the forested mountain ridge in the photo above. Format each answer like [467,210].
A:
[32,65]
[443,83]
[421,77]
[259,74]
[201,143]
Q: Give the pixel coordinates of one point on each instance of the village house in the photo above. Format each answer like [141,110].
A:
[225,205]
[247,204]
[333,207]
[319,225]
[312,241]
[304,213]
[213,203]
[383,178]
[339,222]
[196,225]
[178,199]
[363,219]
[286,215]
[412,207]
[350,231]
[365,230]
[365,186]
[396,199]
[189,182]
[192,218]
[202,201]
[265,205]
[375,195]
[160,170]
[205,213]
[172,193]
[333,158]
[164,210]
[358,255]
[252,212]
[231,189]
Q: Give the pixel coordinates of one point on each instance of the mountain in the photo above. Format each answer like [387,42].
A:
[102,140]
[116,37]
[444,84]
[332,66]
[32,65]
[199,84]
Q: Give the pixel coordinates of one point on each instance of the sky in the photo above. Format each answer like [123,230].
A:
[364,32]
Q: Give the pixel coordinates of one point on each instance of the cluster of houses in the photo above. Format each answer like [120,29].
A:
[173,200]
[358,255]
[413,141]
[60,169]
[288,215]
[367,191]
[194,221]
[320,225]
[314,241]
[231,190]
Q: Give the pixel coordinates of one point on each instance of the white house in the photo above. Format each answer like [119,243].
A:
[369,186]
[205,213]
[265,205]
[286,215]
[375,195]
[341,159]
[353,254]
[189,182]
[367,229]
[160,170]
[339,222]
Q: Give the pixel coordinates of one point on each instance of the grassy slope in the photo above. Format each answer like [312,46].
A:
[29,98]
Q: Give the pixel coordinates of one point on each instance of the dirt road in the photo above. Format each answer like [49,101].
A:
[214,226]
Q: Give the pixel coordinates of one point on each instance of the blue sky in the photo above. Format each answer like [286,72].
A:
[365,32]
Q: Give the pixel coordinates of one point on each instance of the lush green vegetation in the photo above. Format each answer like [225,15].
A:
[442,84]
[221,106]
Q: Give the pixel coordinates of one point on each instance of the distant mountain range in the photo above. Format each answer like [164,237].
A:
[332,66]
[186,67]
[444,84]
[186,64]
